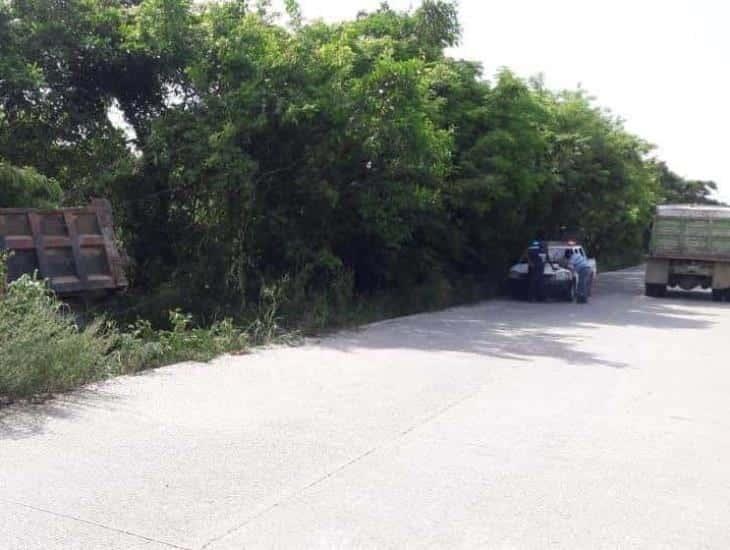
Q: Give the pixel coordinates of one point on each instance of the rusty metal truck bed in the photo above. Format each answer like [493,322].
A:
[72,248]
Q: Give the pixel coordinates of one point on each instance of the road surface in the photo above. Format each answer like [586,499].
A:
[501,425]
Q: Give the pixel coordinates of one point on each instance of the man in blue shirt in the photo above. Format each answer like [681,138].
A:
[579,265]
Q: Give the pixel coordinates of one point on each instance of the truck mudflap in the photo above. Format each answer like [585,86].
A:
[721,276]
[657,272]
[72,248]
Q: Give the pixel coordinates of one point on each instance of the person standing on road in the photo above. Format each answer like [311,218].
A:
[579,265]
[545,258]
[535,272]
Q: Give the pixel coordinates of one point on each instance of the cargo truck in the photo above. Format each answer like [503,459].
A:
[690,248]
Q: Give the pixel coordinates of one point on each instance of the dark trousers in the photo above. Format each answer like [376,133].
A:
[536,282]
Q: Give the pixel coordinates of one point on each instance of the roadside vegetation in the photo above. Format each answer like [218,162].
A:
[42,349]
[45,350]
[283,175]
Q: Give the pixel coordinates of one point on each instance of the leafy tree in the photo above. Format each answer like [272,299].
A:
[677,190]
[605,187]
[54,94]
[24,187]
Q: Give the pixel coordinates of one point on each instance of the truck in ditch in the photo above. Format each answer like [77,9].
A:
[73,249]
[689,249]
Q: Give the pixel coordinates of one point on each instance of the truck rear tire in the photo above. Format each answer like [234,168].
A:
[656,290]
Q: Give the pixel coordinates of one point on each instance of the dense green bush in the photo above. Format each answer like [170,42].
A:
[41,349]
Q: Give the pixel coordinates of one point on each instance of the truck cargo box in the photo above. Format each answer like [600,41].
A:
[72,248]
[691,232]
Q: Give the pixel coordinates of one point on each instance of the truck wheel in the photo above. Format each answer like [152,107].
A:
[718,295]
[655,290]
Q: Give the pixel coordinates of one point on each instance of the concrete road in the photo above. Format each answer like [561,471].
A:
[500,425]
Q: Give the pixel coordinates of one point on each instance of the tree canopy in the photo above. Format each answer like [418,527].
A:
[677,190]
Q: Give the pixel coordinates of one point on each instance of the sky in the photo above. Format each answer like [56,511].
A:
[661,65]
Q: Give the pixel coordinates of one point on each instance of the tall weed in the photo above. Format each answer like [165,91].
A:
[41,349]
[142,347]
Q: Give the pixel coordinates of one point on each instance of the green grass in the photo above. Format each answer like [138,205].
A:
[141,347]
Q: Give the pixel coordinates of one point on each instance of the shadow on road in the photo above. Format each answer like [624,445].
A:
[23,421]
[524,332]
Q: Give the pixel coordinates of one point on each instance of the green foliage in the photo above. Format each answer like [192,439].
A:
[57,63]
[41,349]
[605,188]
[26,188]
[437,25]
[677,190]
[3,272]
[294,11]
[142,347]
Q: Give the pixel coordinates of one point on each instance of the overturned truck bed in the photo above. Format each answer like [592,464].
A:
[72,248]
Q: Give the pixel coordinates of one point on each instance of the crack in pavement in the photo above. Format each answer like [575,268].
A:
[95,524]
[343,467]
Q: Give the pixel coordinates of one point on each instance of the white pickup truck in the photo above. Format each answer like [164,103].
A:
[559,280]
